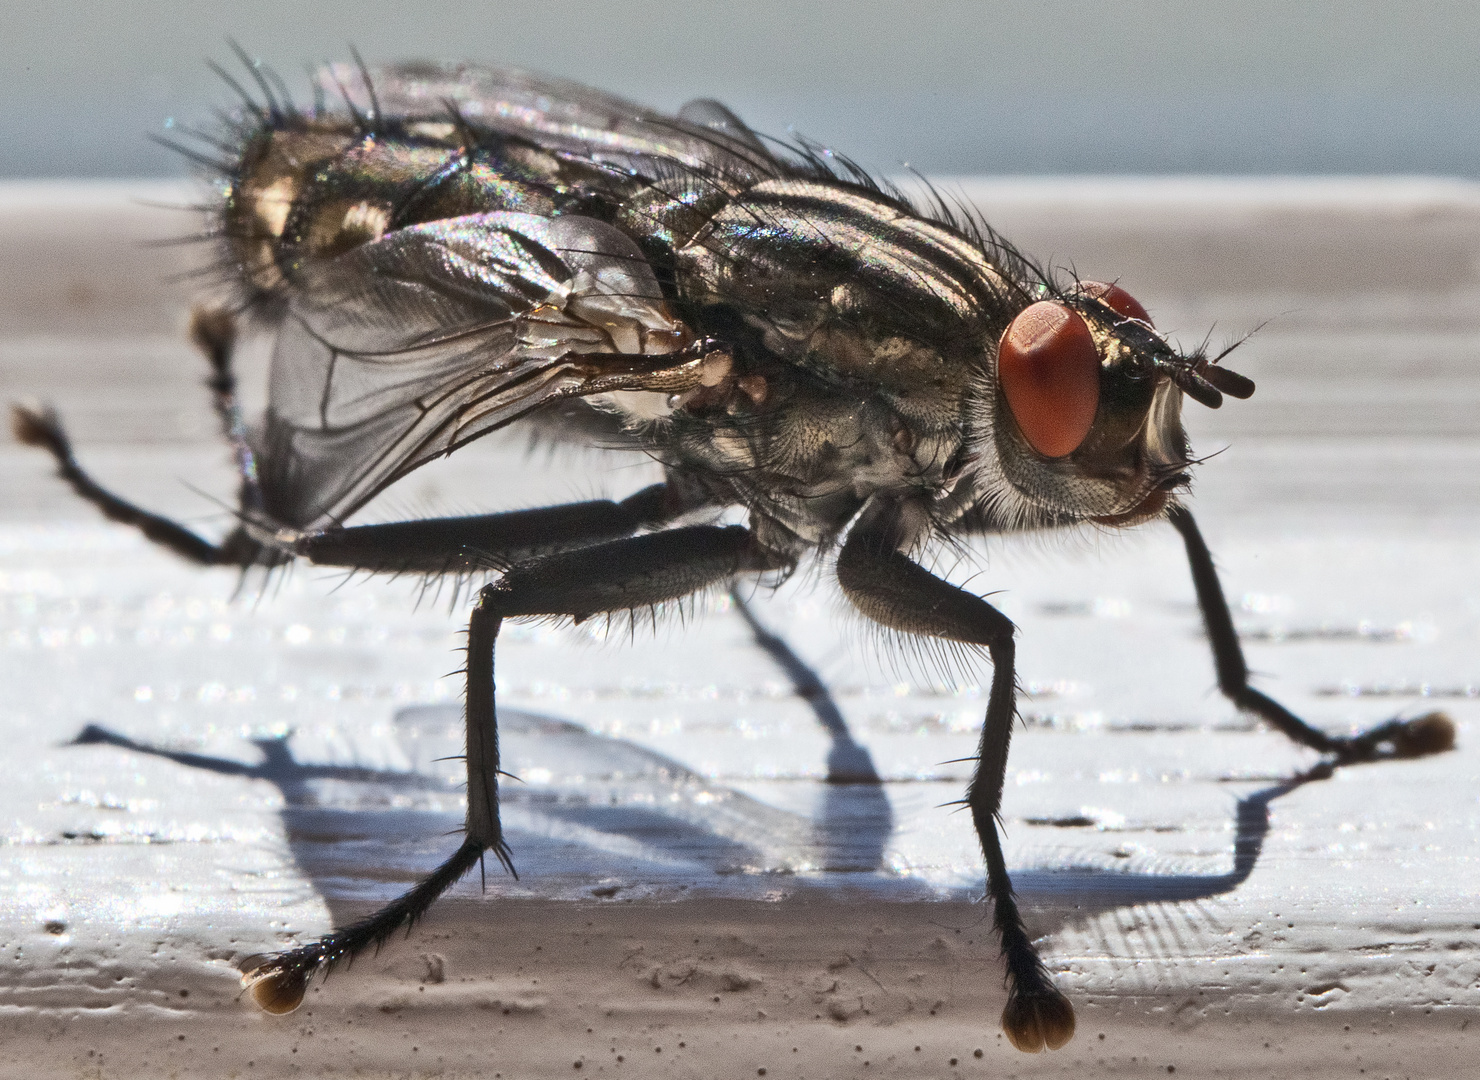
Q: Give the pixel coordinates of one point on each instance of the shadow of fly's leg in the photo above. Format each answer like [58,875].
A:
[1428,734]
[893,590]
[616,576]
[848,762]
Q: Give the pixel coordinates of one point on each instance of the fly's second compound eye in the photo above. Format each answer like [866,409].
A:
[1117,299]
[1049,371]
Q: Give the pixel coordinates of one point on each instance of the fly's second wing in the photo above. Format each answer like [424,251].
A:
[565,117]
[408,347]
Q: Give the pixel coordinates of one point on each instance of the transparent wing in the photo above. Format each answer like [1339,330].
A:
[562,116]
[406,348]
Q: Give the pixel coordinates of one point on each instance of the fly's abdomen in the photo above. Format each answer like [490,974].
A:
[313,189]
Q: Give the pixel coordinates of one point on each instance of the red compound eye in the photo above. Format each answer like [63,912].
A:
[1049,371]
[1118,299]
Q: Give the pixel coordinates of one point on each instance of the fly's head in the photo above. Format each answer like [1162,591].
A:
[1085,410]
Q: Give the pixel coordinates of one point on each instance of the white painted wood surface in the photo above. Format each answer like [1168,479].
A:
[284,740]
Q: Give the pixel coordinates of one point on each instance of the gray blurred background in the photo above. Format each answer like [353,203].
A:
[947,86]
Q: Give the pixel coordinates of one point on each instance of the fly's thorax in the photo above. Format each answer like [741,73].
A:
[843,288]
[787,249]
[867,325]
[928,386]
[667,214]
[809,456]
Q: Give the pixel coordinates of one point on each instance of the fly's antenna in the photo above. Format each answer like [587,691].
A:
[1189,380]
[1191,372]
[1235,343]
[1195,376]
[1198,373]
[1230,382]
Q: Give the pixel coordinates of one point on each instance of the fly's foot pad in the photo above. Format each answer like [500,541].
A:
[276,983]
[1432,733]
[213,332]
[38,425]
[1038,1019]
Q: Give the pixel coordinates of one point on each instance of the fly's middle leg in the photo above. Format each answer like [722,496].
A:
[1431,733]
[893,590]
[616,576]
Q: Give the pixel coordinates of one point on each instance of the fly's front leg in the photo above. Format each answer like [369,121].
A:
[619,575]
[893,590]
[1427,734]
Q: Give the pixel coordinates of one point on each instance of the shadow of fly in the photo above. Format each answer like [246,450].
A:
[451,250]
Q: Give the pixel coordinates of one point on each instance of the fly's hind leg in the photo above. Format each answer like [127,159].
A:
[462,545]
[619,575]
[214,333]
[1431,733]
[43,427]
[893,590]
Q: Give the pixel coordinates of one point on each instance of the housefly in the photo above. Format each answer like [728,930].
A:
[457,249]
